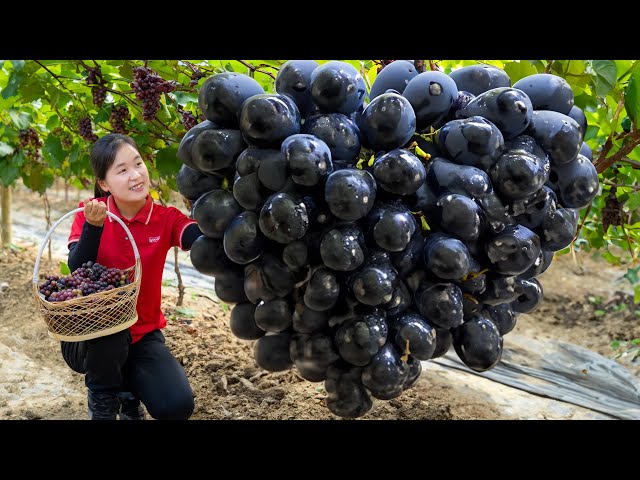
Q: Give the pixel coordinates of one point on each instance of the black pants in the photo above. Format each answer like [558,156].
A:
[146,368]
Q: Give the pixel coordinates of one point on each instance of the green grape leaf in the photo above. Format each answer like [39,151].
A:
[167,161]
[9,172]
[632,95]
[52,150]
[519,70]
[21,120]
[64,269]
[5,149]
[606,76]
[15,79]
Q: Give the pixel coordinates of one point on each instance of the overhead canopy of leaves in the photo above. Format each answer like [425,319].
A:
[51,96]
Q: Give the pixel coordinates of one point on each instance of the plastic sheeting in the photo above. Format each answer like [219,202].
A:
[562,371]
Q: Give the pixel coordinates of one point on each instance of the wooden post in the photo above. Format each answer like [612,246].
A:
[5,209]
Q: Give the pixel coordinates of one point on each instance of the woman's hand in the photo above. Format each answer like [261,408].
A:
[95,212]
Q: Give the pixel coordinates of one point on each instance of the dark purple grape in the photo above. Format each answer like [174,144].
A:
[337,87]
[361,337]
[243,242]
[478,343]
[387,123]
[308,158]
[229,285]
[283,218]
[413,335]
[431,94]
[576,183]
[221,97]
[513,250]
[267,119]
[503,316]
[399,172]
[307,320]
[208,257]
[395,76]
[192,184]
[446,257]
[273,316]
[214,212]
[547,92]
[294,79]
[339,132]
[581,119]
[350,193]
[242,322]
[440,303]
[312,355]
[343,248]
[507,108]
[347,397]
[322,291]
[214,149]
[559,228]
[271,352]
[477,79]
[473,141]
[531,297]
[557,134]
[386,374]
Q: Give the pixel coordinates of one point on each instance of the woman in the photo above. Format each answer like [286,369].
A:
[133,365]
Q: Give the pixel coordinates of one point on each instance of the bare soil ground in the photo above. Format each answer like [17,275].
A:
[35,382]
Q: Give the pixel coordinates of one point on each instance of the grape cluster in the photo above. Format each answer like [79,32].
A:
[383,63]
[85,130]
[358,240]
[195,77]
[89,278]
[149,87]
[189,120]
[119,117]
[99,95]
[66,139]
[98,89]
[30,143]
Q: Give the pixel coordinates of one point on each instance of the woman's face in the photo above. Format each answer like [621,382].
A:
[128,178]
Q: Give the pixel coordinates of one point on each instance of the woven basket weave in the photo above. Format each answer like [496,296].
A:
[94,315]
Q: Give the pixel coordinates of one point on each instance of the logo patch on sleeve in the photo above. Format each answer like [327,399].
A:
[154,239]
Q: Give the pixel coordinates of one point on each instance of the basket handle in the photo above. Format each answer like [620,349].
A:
[72,212]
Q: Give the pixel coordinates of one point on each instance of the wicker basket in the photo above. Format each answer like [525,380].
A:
[95,315]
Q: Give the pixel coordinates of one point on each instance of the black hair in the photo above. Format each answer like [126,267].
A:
[103,155]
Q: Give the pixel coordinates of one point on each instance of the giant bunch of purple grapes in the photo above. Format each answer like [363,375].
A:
[364,232]
[89,278]
[149,87]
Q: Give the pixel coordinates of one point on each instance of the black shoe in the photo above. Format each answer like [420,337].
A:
[131,408]
[102,405]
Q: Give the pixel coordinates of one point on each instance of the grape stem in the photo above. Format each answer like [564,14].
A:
[253,69]
[420,66]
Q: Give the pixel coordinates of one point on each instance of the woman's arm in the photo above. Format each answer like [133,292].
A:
[85,249]
[190,235]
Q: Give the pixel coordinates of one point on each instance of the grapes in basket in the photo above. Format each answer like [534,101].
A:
[87,279]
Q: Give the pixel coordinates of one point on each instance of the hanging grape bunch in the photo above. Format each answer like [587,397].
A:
[357,241]
[89,278]
[119,117]
[30,143]
[97,83]
[149,87]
